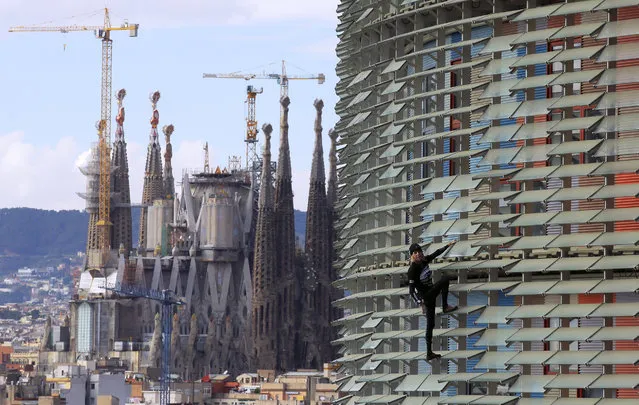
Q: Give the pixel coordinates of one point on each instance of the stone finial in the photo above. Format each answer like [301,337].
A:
[265,198]
[119,118]
[317,165]
[155,117]
[120,95]
[285,101]
[169,185]
[168,131]
[267,129]
[154,98]
[284,158]
[332,134]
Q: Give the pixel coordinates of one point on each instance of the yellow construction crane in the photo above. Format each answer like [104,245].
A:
[251,127]
[282,79]
[102,32]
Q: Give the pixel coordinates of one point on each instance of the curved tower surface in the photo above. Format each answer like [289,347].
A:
[510,127]
[331,201]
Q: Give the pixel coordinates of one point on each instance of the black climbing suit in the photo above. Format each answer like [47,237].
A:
[422,290]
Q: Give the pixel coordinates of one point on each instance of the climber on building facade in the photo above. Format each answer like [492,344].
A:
[424,292]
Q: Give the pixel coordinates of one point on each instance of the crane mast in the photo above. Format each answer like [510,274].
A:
[103,126]
[104,135]
[168,300]
[252,158]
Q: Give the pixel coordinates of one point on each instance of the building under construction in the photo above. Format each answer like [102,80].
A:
[251,297]
[195,244]
[511,127]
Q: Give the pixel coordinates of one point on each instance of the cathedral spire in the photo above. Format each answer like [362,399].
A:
[121,211]
[265,315]
[266,186]
[285,245]
[284,158]
[153,185]
[317,309]
[317,166]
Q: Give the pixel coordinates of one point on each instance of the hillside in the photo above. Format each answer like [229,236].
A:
[33,237]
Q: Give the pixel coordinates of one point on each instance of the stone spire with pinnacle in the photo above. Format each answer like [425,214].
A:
[285,239]
[121,212]
[153,188]
[265,315]
[169,182]
[318,304]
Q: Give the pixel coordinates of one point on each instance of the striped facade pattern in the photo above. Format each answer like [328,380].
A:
[512,127]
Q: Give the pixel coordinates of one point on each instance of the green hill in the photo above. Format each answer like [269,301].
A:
[33,237]
[28,231]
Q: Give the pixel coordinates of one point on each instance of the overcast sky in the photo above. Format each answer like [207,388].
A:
[50,86]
